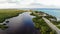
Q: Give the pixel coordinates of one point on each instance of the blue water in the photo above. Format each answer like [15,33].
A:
[21,24]
[55,12]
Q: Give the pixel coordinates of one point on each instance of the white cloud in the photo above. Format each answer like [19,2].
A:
[29,3]
[26,2]
[3,1]
[8,5]
[50,2]
[46,4]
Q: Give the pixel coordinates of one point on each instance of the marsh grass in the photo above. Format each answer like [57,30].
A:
[3,27]
[8,13]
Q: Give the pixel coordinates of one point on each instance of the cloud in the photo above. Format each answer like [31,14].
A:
[29,4]
[50,2]
[3,1]
[39,5]
[8,5]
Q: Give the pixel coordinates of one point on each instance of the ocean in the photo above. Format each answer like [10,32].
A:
[53,12]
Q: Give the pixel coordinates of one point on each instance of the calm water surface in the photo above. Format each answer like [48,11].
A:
[21,24]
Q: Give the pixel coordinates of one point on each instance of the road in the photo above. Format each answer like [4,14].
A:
[51,25]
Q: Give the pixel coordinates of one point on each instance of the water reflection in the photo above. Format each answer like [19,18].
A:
[21,24]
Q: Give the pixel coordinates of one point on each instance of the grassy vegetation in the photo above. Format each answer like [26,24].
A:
[50,16]
[40,24]
[3,27]
[57,23]
[8,13]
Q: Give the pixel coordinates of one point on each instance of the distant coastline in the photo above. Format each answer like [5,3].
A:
[41,8]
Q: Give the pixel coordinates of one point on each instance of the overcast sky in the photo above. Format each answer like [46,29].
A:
[29,3]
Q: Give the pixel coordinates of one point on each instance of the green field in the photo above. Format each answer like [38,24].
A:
[8,13]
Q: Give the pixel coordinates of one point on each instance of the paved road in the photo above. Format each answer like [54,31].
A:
[51,25]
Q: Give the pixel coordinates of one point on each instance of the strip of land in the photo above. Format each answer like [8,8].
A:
[40,23]
[51,25]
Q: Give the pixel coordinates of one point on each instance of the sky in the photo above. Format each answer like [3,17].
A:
[29,3]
